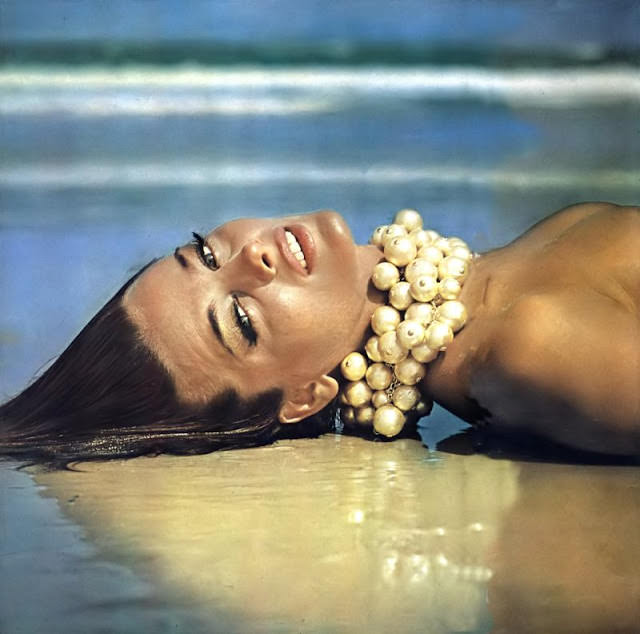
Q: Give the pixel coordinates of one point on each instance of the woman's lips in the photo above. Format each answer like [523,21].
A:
[306,242]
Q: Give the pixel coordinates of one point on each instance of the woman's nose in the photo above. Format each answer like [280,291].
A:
[258,261]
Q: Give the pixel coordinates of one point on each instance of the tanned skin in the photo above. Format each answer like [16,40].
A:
[552,345]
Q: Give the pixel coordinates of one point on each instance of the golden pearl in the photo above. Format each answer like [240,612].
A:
[390,348]
[410,333]
[420,237]
[461,252]
[424,288]
[400,295]
[438,335]
[377,235]
[385,275]
[452,312]
[347,415]
[358,393]
[379,376]
[431,254]
[419,267]
[409,371]
[380,398]
[443,245]
[364,415]
[421,312]
[405,397]
[391,232]
[353,366]
[433,235]
[449,288]
[423,407]
[453,267]
[455,241]
[384,319]
[410,219]
[372,348]
[424,353]
[400,250]
[388,420]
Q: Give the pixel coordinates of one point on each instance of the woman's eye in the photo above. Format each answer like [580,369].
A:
[244,323]
[204,252]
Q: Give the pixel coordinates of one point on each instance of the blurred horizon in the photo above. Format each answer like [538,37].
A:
[492,32]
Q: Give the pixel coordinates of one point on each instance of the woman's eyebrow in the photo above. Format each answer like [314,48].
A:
[184,263]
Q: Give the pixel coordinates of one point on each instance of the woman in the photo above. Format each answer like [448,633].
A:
[235,339]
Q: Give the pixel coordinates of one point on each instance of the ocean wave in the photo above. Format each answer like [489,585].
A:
[154,105]
[285,91]
[167,174]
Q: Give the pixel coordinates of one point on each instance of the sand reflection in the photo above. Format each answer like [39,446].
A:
[344,535]
[331,534]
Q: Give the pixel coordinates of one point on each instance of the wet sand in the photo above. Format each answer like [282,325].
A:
[339,534]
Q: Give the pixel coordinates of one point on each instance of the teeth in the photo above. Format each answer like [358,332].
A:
[295,248]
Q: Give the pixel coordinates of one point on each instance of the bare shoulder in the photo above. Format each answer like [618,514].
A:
[565,364]
[566,220]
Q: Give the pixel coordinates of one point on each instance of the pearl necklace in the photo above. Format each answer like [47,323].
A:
[423,273]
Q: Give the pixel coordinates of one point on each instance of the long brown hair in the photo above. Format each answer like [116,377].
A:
[108,396]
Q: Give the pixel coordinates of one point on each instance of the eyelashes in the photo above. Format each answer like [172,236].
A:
[244,322]
[204,252]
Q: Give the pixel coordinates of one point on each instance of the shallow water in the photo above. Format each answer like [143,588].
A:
[334,534]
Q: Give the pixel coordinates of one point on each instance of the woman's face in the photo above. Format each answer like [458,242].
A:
[241,310]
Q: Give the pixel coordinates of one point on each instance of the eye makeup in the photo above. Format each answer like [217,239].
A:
[204,252]
[243,322]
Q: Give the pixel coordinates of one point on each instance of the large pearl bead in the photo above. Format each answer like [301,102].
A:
[431,253]
[410,219]
[438,335]
[455,241]
[372,348]
[423,407]
[377,235]
[384,319]
[353,366]
[388,420]
[379,398]
[364,415]
[400,250]
[347,415]
[421,312]
[424,353]
[409,371]
[420,237]
[452,312]
[405,397]
[461,252]
[385,275]
[418,267]
[390,348]
[410,333]
[443,244]
[379,376]
[400,295]
[433,235]
[358,393]
[424,288]
[391,232]
[453,267]
[449,288]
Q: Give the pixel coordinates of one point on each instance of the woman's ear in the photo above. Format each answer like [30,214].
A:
[308,399]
